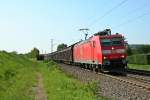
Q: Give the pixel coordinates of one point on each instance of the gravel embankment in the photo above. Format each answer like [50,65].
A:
[108,87]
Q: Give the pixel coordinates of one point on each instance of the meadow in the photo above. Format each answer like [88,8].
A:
[18,80]
[17,77]
[139,67]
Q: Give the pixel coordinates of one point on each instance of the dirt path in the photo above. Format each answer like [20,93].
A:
[40,93]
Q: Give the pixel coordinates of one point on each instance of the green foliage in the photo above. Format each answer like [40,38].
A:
[144,49]
[129,50]
[139,67]
[135,51]
[34,53]
[17,77]
[60,86]
[18,80]
[139,59]
[139,49]
[9,73]
[61,46]
[14,52]
[92,86]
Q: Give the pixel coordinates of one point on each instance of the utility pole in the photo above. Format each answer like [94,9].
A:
[85,31]
[42,51]
[52,45]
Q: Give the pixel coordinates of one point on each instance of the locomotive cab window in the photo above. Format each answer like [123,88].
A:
[117,41]
[112,42]
[106,42]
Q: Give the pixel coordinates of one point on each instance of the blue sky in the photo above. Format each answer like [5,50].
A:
[25,24]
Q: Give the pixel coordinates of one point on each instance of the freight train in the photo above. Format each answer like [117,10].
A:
[101,52]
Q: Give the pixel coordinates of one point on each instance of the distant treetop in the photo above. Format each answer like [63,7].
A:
[61,46]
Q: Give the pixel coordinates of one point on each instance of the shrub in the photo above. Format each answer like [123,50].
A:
[139,59]
[9,73]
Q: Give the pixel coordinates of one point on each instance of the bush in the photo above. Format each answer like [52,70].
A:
[9,73]
[139,59]
[33,53]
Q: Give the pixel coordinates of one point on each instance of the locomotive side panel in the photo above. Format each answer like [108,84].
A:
[96,50]
[83,52]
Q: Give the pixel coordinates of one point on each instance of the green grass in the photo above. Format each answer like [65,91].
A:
[18,80]
[139,67]
[17,77]
[60,86]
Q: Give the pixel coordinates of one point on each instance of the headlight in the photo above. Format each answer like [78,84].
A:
[120,50]
[106,51]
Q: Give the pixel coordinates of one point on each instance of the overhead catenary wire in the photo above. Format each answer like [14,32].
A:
[137,9]
[131,20]
[108,12]
[131,12]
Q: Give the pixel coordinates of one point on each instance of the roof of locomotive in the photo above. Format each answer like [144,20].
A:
[112,36]
[83,41]
[104,36]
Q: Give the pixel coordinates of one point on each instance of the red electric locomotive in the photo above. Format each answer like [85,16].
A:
[103,51]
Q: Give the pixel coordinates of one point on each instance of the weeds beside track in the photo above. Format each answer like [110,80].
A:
[121,87]
[19,81]
[61,86]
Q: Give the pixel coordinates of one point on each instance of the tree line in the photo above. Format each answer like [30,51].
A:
[34,53]
[140,49]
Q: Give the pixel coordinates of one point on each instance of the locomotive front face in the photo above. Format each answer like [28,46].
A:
[113,50]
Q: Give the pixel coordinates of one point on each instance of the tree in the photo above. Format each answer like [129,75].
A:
[129,50]
[14,52]
[144,49]
[61,46]
[34,53]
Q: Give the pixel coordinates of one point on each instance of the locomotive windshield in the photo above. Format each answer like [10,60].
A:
[106,42]
[112,42]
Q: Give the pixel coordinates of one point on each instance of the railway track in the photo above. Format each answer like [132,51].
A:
[142,82]
[136,82]
[140,76]
[145,79]
[132,81]
[109,85]
[138,72]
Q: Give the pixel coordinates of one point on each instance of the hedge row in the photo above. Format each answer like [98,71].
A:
[139,59]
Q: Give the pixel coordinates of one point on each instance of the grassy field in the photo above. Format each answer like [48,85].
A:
[140,67]
[18,80]
[17,77]
[60,86]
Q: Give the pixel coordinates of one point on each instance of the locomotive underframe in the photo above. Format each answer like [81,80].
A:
[117,65]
